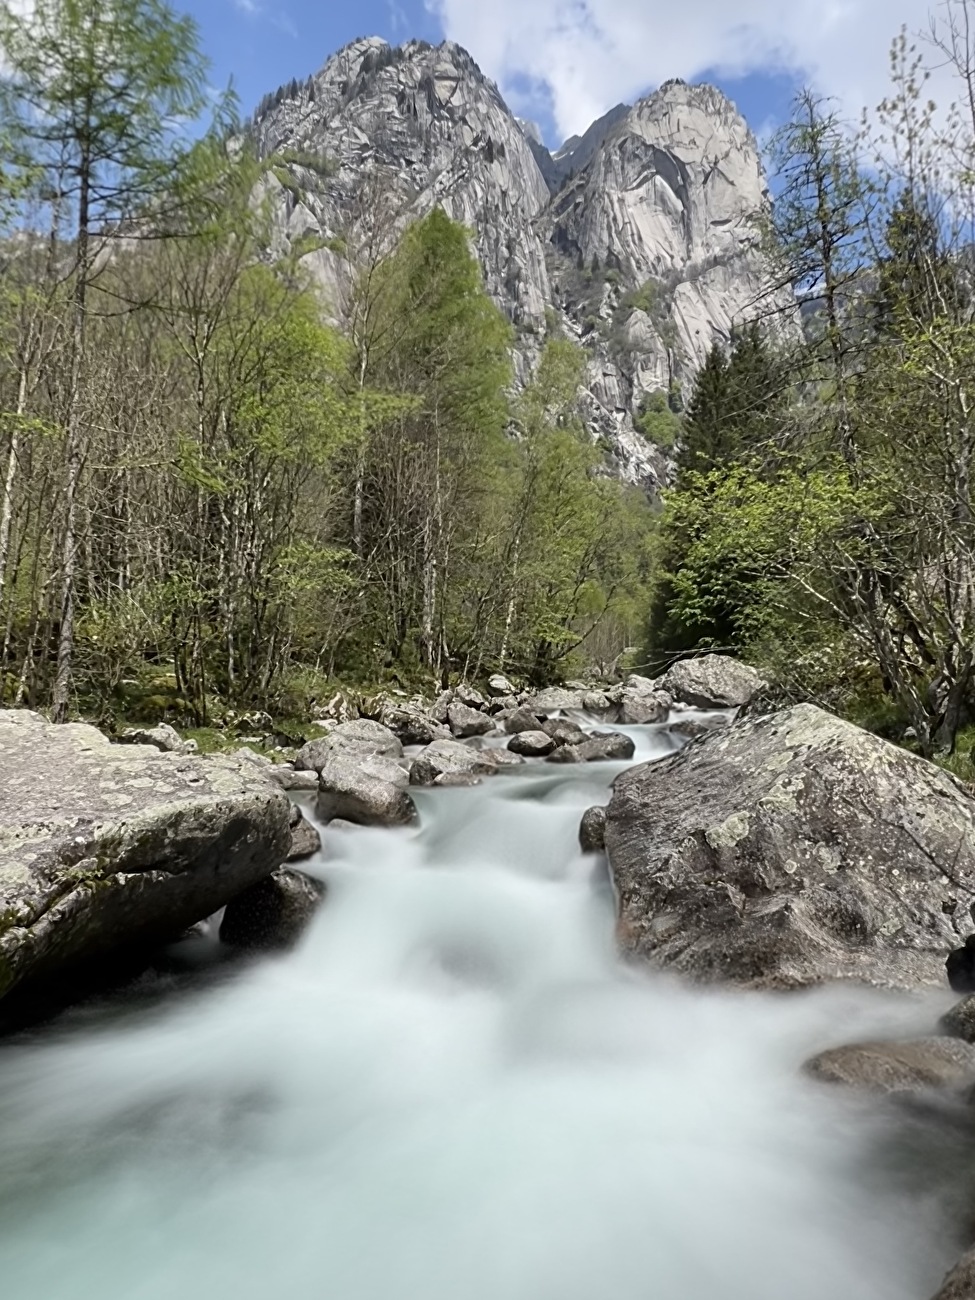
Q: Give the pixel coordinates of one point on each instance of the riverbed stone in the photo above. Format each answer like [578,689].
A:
[274,913]
[909,1067]
[556,699]
[601,747]
[592,830]
[465,721]
[960,1282]
[449,757]
[288,779]
[523,719]
[368,789]
[361,736]
[712,682]
[531,744]
[564,732]
[789,850]
[959,1022]
[305,839]
[128,847]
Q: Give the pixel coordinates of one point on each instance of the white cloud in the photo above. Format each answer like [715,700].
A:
[587,55]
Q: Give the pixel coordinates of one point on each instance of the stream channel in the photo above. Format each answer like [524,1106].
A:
[454,1090]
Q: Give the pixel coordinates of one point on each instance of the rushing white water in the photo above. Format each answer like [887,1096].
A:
[453,1091]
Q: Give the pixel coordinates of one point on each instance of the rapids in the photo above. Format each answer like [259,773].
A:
[453,1090]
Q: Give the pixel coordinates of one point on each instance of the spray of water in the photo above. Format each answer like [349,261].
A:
[452,1090]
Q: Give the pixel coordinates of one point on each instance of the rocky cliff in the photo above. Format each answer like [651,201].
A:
[638,238]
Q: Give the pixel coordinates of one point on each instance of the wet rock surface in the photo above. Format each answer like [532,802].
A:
[129,847]
[912,1067]
[272,914]
[365,788]
[792,849]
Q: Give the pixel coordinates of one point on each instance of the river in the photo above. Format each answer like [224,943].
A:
[453,1090]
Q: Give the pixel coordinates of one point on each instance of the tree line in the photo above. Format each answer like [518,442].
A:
[210,496]
[822,520]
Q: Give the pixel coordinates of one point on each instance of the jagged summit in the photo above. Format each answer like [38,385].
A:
[637,238]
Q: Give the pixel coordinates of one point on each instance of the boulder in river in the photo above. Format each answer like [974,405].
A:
[522,720]
[791,849]
[288,779]
[465,721]
[531,744]
[917,1066]
[367,789]
[556,699]
[592,830]
[642,701]
[602,746]
[305,839]
[960,1282]
[564,732]
[959,1022]
[272,914]
[449,757]
[126,848]
[362,736]
[498,685]
[711,682]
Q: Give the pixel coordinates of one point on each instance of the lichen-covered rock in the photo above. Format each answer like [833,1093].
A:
[365,788]
[712,682]
[917,1066]
[592,830]
[361,736]
[162,736]
[531,744]
[465,721]
[791,849]
[274,913]
[450,758]
[601,747]
[128,847]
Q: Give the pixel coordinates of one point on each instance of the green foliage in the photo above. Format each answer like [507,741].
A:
[656,421]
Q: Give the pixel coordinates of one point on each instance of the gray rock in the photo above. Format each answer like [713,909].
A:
[162,736]
[531,744]
[413,727]
[361,736]
[457,779]
[960,1282]
[305,840]
[592,830]
[523,719]
[128,847]
[598,702]
[288,779]
[959,1022]
[465,721]
[469,695]
[564,732]
[555,699]
[272,914]
[367,789]
[501,757]
[791,849]
[917,1066]
[691,728]
[712,682]
[498,685]
[641,702]
[450,758]
[602,746]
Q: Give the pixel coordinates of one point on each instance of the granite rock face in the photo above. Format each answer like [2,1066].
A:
[640,238]
[126,846]
[790,850]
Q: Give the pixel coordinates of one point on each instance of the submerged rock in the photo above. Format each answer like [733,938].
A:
[917,1066]
[712,682]
[272,914]
[791,849]
[130,846]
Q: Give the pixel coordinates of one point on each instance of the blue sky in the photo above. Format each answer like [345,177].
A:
[563,62]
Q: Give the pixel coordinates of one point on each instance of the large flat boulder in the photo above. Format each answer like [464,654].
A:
[790,850]
[711,682]
[106,847]
[361,736]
